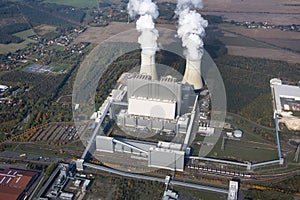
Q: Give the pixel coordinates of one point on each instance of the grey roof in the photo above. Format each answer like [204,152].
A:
[285,91]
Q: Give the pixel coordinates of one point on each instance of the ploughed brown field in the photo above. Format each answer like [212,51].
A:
[97,35]
[278,12]
[282,44]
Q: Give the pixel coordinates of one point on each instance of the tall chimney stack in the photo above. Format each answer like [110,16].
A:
[148,65]
[192,74]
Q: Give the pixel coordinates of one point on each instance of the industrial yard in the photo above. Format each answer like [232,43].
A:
[145,132]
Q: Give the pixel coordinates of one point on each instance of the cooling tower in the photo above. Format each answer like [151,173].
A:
[192,74]
[148,65]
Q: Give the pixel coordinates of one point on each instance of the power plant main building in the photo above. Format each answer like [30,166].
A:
[154,105]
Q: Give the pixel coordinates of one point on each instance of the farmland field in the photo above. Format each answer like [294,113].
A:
[12,47]
[261,43]
[44,29]
[273,11]
[25,34]
[268,6]
[76,3]
[285,43]
[98,34]
[275,37]
[274,54]
[260,32]
[243,41]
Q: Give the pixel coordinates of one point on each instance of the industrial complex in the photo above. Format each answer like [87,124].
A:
[65,183]
[144,105]
[149,122]
[286,103]
[144,99]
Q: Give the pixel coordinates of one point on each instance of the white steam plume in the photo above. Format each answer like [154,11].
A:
[191,28]
[184,4]
[147,10]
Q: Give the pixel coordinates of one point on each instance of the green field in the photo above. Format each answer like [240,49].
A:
[45,29]
[244,151]
[76,3]
[12,47]
[256,145]
[60,67]
[189,193]
[25,34]
[6,48]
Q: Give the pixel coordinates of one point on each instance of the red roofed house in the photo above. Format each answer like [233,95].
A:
[14,183]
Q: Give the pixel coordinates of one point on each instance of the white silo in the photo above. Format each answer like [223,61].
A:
[192,74]
[237,133]
[148,65]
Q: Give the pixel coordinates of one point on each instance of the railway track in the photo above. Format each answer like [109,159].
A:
[243,176]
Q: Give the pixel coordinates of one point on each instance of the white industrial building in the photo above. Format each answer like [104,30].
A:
[3,88]
[165,105]
[286,101]
[165,155]
[148,104]
[284,96]
[168,155]
[233,190]
[157,105]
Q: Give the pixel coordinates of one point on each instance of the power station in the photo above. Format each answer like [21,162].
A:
[144,105]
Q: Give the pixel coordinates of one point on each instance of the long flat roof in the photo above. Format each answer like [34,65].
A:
[13,182]
[3,87]
[137,143]
[285,91]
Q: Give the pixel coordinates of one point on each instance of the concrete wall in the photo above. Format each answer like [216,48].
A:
[104,144]
[166,159]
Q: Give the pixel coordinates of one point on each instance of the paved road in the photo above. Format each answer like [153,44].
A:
[10,155]
[150,178]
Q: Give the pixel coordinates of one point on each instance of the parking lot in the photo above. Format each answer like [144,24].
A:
[58,133]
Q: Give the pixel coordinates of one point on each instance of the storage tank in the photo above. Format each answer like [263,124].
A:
[238,133]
